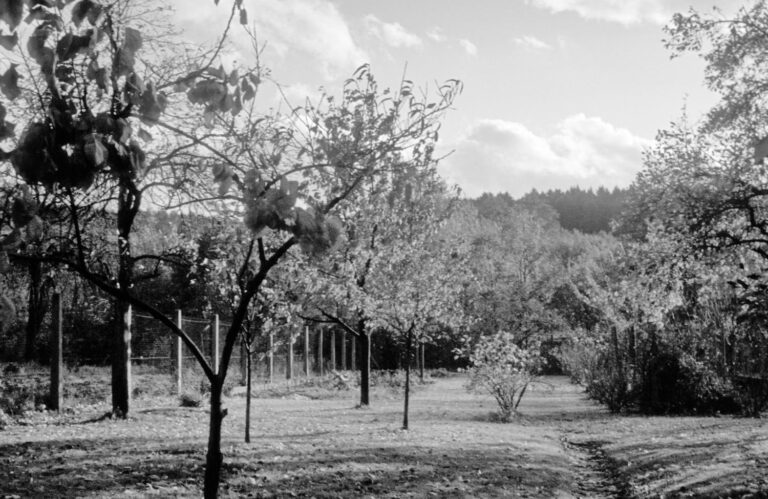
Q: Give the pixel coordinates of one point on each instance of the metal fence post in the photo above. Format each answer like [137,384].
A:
[271,356]
[343,350]
[179,353]
[319,360]
[333,350]
[306,351]
[56,354]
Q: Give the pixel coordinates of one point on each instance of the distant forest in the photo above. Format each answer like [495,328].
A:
[588,211]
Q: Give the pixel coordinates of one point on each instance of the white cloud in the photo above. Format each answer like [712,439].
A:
[436,34]
[620,11]
[306,28]
[393,34]
[469,47]
[531,42]
[499,156]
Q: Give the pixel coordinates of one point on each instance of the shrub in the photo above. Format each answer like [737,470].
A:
[592,365]
[503,369]
[609,383]
[189,399]
[20,395]
[579,360]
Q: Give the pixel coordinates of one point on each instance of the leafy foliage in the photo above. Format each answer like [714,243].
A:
[503,369]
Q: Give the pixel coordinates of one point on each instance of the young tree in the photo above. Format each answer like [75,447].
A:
[417,280]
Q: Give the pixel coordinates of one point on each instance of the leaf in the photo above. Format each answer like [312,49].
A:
[70,45]
[225,185]
[22,211]
[37,40]
[132,40]
[9,83]
[95,152]
[12,240]
[11,12]
[144,135]
[8,42]
[123,131]
[243,16]
[137,158]
[34,229]
[248,90]
[233,77]
[152,105]
[207,92]
[127,52]
[81,10]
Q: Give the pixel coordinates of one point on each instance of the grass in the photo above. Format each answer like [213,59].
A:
[322,446]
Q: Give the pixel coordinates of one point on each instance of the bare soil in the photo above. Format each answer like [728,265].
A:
[305,446]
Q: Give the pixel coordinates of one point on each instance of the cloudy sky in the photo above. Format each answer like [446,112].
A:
[557,93]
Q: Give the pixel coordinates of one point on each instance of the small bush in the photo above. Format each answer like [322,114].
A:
[752,394]
[189,399]
[591,365]
[503,369]
[610,384]
[20,395]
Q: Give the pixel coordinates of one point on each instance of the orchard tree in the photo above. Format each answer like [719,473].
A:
[86,143]
[341,285]
[417,280]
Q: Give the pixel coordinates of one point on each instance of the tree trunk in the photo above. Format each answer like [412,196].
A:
[214,457]
[248,380]
[129,201]
[407,377]
[365,366]
[35,309]
[121,362]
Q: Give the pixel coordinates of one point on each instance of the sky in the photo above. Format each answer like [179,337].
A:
[557,93]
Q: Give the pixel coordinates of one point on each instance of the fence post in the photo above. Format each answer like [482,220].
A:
[271,356]
[333,350]
[306,351]
[57,334]
[289,367]
[179,352]
[421,361]
[343,350]
[320,363]
[243,362]
[215,341]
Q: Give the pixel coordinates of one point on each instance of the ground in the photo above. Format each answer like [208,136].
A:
[561,446]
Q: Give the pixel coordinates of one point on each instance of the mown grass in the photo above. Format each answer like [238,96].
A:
[309,441]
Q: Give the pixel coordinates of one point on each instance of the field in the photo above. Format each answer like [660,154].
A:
[316,443]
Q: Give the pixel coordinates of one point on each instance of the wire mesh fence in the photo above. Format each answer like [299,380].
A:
[285,354]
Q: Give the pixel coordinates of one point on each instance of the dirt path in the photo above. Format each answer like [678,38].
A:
[597,475]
